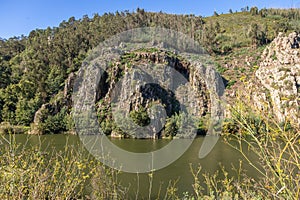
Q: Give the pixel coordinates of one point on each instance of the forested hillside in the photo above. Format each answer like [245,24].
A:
[34,69]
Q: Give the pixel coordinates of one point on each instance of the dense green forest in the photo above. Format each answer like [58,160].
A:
[34,68]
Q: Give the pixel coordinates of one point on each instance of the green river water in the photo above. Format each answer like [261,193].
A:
[222,154]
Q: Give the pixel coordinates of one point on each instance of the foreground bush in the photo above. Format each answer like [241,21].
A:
[275,145]
[30,173]
[276,149]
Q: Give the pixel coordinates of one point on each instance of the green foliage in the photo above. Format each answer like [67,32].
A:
[230,83]
[276,145]
[172,126]
[25,110]
[107,126]
[202,126]
[208,39]
[5,73]
[7,128]
[221,69]
[55,80]
[33,71]
[254,11]
[140,117]
[54,123]
[29,172]
[9,99]
[40,63]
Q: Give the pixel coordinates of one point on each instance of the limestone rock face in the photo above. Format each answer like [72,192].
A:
[125,88]
[284,50]
[279,74]
[38,117]
[60,100]
[69,83]
[132,96]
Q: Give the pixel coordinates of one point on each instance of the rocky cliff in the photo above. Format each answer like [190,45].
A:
[148,93]
[135,98]
[60,103]
[275,89]
[279,76]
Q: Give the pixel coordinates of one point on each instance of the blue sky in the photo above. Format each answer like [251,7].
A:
[21,16]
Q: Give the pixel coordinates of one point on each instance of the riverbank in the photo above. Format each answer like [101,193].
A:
[7,128]
[54,166]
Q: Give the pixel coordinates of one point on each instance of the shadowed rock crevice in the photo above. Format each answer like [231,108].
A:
[154,92]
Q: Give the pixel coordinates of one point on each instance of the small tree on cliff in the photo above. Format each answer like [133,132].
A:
[254,10]
[254,35]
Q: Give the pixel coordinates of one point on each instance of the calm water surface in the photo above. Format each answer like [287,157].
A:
[179,171]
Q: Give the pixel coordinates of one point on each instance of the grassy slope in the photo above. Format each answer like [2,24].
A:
[240,64]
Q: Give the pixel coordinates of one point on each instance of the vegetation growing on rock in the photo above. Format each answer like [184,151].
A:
[35,70]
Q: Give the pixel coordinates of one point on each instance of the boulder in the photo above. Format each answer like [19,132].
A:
[279,76]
